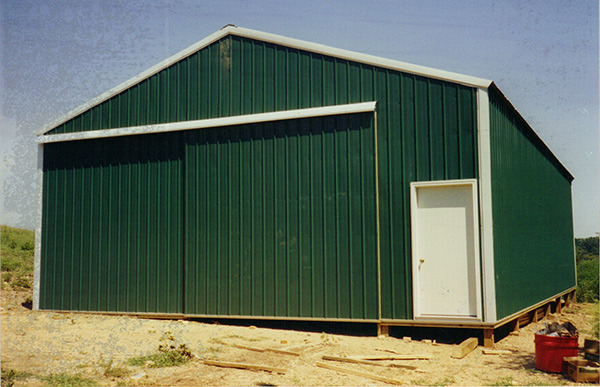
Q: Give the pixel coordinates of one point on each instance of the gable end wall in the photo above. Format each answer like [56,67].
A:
[426,128]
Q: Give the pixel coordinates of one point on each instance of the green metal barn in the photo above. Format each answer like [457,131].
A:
[257,176]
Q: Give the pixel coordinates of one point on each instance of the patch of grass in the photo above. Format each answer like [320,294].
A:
[169,354]
[506,381]
[9,376]
[16,256]
[111,370]
[67,380]
[161,359]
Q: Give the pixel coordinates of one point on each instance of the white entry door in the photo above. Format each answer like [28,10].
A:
[445,248]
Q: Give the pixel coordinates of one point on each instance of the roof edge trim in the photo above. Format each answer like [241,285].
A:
[275,39]
[363,107]
[354,56]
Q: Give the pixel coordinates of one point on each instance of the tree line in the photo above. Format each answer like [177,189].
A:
[588,269]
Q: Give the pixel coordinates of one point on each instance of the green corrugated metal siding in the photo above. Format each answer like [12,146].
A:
[281,219]
[426,127]
[113,225]
[531,205]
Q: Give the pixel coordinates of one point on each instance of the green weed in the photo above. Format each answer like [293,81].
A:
[111,370]
[67,380]
[169,354]
[9,376]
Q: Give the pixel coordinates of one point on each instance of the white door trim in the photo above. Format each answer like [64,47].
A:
[472,183]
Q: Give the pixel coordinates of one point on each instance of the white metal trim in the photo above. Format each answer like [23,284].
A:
[377,216]
[37,255]
[363,107]
[485,200]
[440,183]
[362,58]
[415,253]
[280,40]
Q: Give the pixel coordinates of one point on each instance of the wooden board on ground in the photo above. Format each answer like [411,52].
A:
[301,347]
[360,373]
[369,362]
[487,351]
[465,348]
[248,348]
[245,366]
[274,350]
[398,357]
[282,351]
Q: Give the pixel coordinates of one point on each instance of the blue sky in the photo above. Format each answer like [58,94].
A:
[543,54]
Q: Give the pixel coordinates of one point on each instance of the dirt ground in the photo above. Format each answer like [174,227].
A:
[49,343]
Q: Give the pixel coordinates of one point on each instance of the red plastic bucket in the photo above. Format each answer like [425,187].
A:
[550,351]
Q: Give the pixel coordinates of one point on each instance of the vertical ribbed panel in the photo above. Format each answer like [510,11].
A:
[426,131]
[532,214]
[113,225]
[281,219]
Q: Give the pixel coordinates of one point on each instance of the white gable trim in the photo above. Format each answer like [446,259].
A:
[276,39]
[363,107]
[362,58]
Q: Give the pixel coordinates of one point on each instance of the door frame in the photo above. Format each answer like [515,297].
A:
[414,186]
